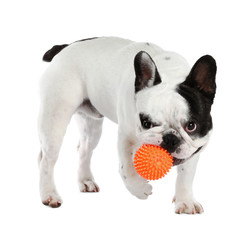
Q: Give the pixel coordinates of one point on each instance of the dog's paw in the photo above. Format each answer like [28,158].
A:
[88,185]
[52,200]
[188,207]
[139,187]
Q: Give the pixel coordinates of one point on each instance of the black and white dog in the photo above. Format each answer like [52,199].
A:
[152,94]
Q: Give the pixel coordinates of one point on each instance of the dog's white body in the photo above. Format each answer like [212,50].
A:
[92,79]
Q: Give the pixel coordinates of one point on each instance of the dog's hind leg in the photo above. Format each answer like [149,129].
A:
[51,133]
[90,128]
[59,100]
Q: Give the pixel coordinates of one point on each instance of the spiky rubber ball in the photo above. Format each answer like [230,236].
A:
[152,162]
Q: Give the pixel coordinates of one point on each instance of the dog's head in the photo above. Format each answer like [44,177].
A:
[175,117]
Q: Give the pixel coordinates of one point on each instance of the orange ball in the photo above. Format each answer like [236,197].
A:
[152,162]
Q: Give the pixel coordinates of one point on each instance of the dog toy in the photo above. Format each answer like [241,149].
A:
[152,162]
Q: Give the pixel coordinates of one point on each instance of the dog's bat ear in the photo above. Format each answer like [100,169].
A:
[202,76]
[146,71]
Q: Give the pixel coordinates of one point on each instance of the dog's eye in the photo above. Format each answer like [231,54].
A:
[147,124]
[191,127]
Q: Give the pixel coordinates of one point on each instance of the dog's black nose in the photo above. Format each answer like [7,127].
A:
[170,142]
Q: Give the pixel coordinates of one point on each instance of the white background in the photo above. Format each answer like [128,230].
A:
[191,28]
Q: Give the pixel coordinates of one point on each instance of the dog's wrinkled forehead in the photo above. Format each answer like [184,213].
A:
[163,104]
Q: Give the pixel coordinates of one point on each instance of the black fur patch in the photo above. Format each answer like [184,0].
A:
[200,107]
[199,91]
[146,118]
[49,55]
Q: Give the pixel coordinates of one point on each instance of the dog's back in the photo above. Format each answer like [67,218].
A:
[50,54]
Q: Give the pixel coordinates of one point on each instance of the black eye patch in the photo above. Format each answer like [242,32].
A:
[146,121]
[200,108]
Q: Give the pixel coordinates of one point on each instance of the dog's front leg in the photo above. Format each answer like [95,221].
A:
[137,185]
[184,199]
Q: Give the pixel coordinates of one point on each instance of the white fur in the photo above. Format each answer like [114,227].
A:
[102,71]
[184,199]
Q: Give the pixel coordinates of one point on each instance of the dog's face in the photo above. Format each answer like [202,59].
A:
[176,118]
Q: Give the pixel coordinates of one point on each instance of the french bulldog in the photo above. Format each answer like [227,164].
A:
[154,97]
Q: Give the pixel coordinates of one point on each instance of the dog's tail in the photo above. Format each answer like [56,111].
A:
[49,55]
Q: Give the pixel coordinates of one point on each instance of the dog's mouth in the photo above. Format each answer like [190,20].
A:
[178,161]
